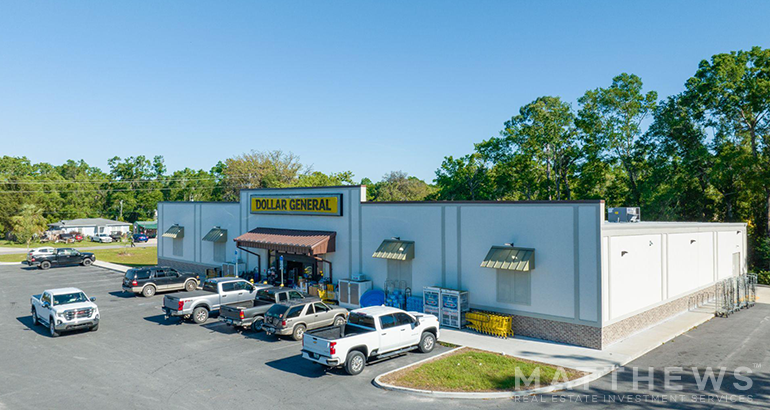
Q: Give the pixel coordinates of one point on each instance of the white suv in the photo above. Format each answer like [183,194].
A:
[102,237]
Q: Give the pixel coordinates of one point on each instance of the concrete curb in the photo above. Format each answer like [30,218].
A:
[10,263]
[485,395]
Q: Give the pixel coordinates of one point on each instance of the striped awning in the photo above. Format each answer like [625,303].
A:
[216,235]
[395,249]
[510,258]
[174,232]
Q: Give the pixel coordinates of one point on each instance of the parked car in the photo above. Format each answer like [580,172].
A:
[64,309]
[116,236]
[371,333]
[61,257]
[140,237]
[78,236]
[46,250]
[102,237]
[295,317]
[149,280]
[252,313]
[215,292]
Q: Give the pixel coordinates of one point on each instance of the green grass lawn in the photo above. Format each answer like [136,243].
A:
[471,370]
[84,243]
[124,256]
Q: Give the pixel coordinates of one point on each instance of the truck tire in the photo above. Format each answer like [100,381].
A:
[200,315]
[148,291]
[52,328]
[298,333]
[257,324]
[190,285]
[35,320]
[44,265]
[427,342]
[355,363]
[87,262]
[339,321]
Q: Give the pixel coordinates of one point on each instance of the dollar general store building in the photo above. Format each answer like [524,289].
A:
[561,270]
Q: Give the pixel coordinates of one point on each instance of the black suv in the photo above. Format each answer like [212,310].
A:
[153,279]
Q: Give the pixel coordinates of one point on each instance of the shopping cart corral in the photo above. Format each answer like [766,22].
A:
[736,293]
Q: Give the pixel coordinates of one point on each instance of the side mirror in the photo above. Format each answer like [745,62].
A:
[93,299]
[416,322]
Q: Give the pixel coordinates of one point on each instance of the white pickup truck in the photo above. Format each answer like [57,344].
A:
[371,333]
[64,309]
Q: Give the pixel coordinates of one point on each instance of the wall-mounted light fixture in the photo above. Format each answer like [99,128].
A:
[692,241]
[650,243]
[623,253]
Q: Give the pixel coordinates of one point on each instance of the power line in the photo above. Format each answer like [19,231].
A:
[104,190]
[112,181]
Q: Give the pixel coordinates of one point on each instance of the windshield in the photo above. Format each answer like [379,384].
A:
[361,320]
[68,298]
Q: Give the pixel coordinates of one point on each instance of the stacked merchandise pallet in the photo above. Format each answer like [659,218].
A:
[414,304]
[396,298]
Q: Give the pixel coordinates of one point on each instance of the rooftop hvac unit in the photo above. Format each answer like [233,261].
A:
[625,214]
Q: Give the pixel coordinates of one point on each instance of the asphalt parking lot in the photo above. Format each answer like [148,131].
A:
[139,360]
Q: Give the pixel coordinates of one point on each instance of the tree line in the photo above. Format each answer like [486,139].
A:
[700,155]
[32,195]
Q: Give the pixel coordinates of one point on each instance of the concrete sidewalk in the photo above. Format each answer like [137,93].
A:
[112,266]
[591,360]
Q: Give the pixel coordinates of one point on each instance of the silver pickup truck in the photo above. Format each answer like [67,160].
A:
[216,292]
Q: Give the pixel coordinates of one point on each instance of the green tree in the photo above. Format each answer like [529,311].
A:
[542,141]
[611,120]
[464,178]
[731,93]
[399,186]
[28,223]
[317,178]
[255,169]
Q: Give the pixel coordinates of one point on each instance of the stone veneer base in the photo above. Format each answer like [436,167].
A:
[600,337]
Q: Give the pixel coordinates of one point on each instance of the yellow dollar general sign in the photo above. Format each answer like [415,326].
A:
[329,205]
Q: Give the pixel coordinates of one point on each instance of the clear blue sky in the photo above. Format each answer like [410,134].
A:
[367,86]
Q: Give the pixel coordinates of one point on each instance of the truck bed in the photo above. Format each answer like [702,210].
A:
[338,332]
[188,295]
[250,308]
